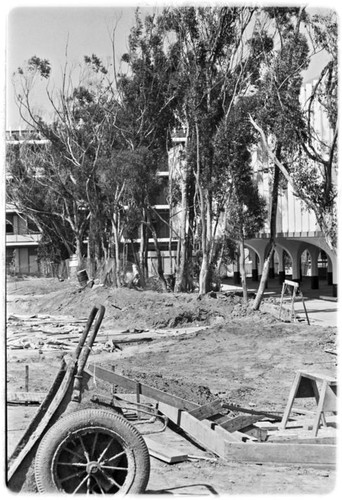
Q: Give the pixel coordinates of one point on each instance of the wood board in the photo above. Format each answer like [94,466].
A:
[162,451]
[200,431]
[139,388]
[282,453]
[25,397]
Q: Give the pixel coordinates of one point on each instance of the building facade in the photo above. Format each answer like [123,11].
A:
[301,249]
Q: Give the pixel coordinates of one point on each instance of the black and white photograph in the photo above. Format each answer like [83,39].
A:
[169,267]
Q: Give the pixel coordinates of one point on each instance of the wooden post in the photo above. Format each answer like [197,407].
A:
[137,394]
[27,378]
[306,312]
[281,299]
[114,387]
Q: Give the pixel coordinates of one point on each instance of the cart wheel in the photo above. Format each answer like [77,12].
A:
[92,451]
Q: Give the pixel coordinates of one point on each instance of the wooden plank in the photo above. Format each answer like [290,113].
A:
[281,453]
[198,430]
[25,397]
[167,454]
[291,283]
[302,440]
[267,414]
[256,432]
[237,435]
[239,422]
[145,390]
[317,376]
[208,410]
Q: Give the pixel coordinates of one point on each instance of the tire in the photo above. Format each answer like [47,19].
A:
[92,451]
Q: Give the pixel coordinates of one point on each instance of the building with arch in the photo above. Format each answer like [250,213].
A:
[301,249]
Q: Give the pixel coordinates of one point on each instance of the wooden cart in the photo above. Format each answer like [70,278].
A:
[74,450]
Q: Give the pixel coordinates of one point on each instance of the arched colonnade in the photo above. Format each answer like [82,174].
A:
[295,258]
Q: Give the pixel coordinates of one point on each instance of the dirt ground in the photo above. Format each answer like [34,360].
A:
[198,350]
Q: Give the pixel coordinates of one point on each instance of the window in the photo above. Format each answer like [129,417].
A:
[9,224]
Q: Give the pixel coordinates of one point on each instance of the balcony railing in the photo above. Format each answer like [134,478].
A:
[22,239]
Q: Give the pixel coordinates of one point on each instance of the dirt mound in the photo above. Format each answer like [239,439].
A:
[125,308]
[199,394]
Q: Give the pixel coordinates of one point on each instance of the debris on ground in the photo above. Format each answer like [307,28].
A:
[217,349]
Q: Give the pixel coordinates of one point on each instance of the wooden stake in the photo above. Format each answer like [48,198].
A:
[27,378]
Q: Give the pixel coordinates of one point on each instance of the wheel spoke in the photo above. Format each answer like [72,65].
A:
[94,445]
[113,467]
[74,452]
[86,454]
[114,457]
[76,474]
[81,483]
[72,464]
[105,450]
[111,480]
[99,485]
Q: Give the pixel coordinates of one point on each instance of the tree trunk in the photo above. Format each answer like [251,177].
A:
[116,238]
[143,250]
[243,271]
[138,263]
[273,232]
[78,251]
[263,280]
[160,270]
[180,284]
[203,277]
[91,248]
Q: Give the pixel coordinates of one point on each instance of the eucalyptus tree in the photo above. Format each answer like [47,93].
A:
[144,119]
[243,207]
[80,135]
[283,51]
[207,47]
[35,199]
[299,153]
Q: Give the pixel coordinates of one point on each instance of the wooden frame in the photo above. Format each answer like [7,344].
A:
[227,445]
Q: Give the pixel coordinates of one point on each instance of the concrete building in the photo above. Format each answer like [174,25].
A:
[301,249]
[22,239]
[22,236]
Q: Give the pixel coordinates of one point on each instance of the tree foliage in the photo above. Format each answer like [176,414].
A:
[206,70]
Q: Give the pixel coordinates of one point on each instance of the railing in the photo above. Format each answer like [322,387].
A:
[22,239]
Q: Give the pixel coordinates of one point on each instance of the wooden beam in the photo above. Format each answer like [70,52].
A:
[127,383]
[256,432]
[302,440]
[25,397]
[165,453]
[208,410]
[198,430]
[226,434]
[239,422]
[281,453]
[252,412]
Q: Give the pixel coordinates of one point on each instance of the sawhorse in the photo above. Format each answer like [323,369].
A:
[287,285]
[305,386]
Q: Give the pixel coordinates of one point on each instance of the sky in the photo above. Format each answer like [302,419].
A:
[81,27]
[49,32]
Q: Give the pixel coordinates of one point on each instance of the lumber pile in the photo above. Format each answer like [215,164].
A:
[51,333]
